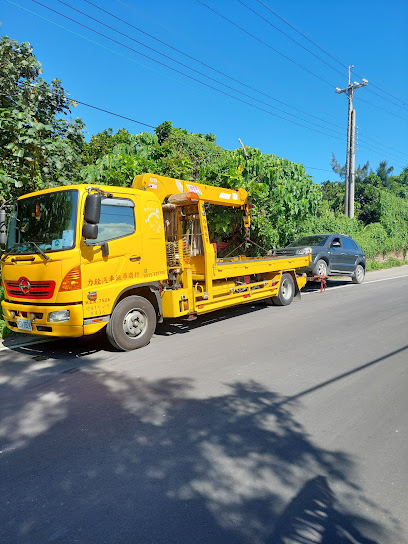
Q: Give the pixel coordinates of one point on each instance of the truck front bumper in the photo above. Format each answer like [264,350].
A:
[40,325]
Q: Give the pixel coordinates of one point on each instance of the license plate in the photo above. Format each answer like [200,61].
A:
[24,324]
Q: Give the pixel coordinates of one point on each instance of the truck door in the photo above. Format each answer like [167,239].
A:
[104,277]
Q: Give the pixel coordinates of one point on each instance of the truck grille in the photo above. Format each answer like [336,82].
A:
[37,289]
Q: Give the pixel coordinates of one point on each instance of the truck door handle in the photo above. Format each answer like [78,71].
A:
[135,258]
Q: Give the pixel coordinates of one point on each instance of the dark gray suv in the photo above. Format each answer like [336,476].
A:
[332,254]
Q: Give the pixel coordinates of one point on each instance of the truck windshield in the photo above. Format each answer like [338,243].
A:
[43,222]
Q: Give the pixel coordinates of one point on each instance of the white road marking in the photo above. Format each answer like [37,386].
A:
[387,279]
[347,284]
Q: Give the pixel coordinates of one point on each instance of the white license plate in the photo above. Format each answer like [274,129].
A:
[24,324]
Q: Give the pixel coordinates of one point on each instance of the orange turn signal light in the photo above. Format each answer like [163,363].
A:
[193,197]
[72,280]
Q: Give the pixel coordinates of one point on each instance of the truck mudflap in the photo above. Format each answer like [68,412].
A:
[300,282]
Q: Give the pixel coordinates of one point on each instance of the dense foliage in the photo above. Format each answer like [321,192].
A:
[42,148]
[381,223]
[282,194]
[39,149]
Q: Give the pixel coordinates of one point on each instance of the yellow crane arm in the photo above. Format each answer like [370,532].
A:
[164,187]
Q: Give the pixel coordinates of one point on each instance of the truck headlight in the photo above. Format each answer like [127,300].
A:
[304,251]
[59,316]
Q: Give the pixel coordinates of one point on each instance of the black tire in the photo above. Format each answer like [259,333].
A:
[321,268]
[286,291]
[132,323]
[359,273]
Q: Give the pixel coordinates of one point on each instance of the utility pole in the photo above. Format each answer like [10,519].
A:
[352,163]
[350,155]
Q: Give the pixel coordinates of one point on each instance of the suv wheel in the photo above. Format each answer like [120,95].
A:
[321,268]
[358,276]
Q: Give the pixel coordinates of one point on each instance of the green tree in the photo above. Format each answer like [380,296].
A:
[282,195]
[39,148]
[122,163]
[103,143]
[183,154]
[333,193]
[384,171]
[367,197]
[163,131]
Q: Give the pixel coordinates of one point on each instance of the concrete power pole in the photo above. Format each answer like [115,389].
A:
[350,155]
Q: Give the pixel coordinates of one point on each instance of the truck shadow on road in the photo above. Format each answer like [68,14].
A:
[100,457]
[180,326]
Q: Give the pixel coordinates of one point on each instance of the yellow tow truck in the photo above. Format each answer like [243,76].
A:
[80,258]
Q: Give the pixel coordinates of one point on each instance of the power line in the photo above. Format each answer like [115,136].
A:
[321,169]
[311,52]
[189,67]
[264,43]
[208,66]
[132,60]
[304,36]
[110,113]
[383,109]
[386,98]
[211,67]
[385,146]
[204,75]
[288,36]
[331,56]
[191,77]
[381,154]
[394,157]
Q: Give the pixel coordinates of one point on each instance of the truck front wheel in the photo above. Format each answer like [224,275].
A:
[132,323]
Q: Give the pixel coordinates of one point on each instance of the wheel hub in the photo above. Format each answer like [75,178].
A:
[360,273]
[286,289]
[134,323]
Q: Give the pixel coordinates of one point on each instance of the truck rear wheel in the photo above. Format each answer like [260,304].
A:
[286,291]
[132,323]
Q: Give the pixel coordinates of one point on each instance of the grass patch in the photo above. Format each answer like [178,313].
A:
[4,331]
[391,262]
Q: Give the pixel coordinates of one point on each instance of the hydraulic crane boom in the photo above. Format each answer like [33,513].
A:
[164,187]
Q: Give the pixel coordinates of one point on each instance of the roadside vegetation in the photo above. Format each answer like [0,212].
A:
[43,146]
[391,262]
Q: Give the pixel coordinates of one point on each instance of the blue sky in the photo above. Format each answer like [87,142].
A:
[370,34]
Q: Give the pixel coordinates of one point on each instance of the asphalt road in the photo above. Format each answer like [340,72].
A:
[253,425]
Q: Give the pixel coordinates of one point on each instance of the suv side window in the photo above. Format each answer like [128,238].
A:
[348,244]
[336,242]
[117,219]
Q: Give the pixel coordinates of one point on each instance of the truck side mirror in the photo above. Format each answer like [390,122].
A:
[92,213]
[3,227]
[90,231]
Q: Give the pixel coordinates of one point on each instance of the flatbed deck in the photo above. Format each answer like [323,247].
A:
[223,269]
